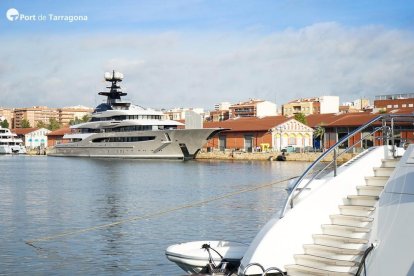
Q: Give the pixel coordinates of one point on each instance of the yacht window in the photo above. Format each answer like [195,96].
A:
[123,139]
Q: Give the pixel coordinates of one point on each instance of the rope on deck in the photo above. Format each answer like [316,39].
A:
[155,214]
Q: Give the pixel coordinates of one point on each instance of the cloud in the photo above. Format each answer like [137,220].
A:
[198,70]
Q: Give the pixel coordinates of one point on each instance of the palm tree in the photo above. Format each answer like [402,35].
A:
[320,133]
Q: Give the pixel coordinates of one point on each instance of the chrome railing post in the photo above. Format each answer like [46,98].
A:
[393,138]
[335,154]
[384,132]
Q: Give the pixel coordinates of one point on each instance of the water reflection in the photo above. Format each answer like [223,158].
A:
[57,195]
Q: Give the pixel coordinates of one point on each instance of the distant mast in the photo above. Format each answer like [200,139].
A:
[115,93]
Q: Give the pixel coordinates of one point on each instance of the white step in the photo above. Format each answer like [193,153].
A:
[389,162]
[293,270]
[362,200]
[333,252]
[346,231]
[316,261]
[358,221]
[339,241]
[383,171]
[356,210]
[376,180]
[369,190]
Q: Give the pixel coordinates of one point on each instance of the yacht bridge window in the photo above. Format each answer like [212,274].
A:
[127,117]
[123,139]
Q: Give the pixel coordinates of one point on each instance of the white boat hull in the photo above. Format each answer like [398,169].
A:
[164,144]
[6,149]
[192,258]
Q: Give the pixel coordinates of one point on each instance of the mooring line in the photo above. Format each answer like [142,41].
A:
[156,214]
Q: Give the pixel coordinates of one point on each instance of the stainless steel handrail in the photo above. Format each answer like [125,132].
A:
[334,149]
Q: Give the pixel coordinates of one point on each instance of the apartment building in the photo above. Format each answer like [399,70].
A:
[394,101]
[44,114]
[253,108]
[178,114]
[68,114]
[308,106]
[34,115]
[7,114]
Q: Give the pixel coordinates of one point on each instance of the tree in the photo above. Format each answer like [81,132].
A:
[75,121]
[301,118]
[53,124]
[25,124]
[320,133]
[41,124]
[85,118]
[4,124]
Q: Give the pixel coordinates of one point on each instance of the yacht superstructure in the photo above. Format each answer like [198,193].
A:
[118,128]
[9,143]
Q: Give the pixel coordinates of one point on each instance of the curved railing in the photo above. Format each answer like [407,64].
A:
[362,265]
[387,136]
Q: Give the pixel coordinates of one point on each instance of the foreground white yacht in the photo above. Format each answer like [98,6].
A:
[120,129]
[9,143]
[353,219]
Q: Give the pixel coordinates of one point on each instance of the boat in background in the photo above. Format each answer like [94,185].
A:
[9,143]
[342,220]
[118,128]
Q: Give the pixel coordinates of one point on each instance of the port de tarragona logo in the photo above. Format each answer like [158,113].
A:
[12,14]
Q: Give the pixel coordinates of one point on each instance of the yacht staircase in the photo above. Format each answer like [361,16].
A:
[338,249]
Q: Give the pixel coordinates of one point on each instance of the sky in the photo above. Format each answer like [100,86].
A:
[197,53]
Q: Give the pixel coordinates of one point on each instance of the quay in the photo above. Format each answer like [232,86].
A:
[268,156]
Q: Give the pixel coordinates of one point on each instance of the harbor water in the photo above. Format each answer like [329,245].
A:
[106,216]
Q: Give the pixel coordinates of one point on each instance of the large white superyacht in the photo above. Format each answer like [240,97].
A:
[118,128]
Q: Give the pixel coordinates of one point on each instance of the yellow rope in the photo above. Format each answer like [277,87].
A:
[148,216]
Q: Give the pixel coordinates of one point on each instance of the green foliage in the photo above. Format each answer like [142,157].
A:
[86,118]
[25,123]
[4,124]
[320,133]
[53,124]
[76,121]
[41,124]
[301,118]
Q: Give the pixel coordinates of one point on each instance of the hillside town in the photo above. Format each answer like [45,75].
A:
[301,125]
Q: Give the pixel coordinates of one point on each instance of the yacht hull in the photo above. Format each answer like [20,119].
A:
[155,144]
[5,149]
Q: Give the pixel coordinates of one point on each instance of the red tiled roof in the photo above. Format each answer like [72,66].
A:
[23,131]
[348,119]
[352,119]
[315,120]
[60,132]
[249,123]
